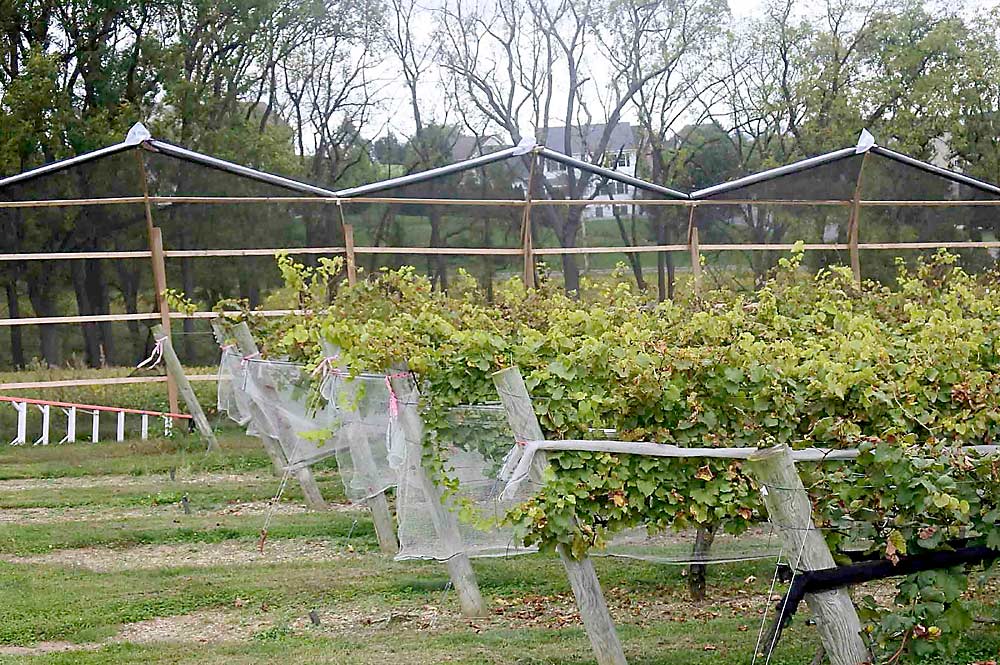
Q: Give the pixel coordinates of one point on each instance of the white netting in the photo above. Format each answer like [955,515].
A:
[367,458]
[232,397]
[679,547]
[473,444]
[287,408]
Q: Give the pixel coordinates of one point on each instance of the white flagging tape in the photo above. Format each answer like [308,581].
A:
[154,357]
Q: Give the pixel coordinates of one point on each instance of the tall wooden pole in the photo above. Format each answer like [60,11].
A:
[526,235]
[155,238]
[350,256]
[805,548]
[248,348]
[593,608]
[853,223]
[694,250]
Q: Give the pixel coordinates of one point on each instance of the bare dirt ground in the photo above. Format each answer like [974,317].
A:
[148,557]
[20,485]
[84,514]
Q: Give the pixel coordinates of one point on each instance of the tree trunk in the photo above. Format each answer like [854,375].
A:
[128,284]
[44,305]
[14,312]
[91,341]
[571,269]
[438,268]
[633,259]
[99,299]
[187,286]
[696,572]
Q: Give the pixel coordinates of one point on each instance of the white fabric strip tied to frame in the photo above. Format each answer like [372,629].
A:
[472,446]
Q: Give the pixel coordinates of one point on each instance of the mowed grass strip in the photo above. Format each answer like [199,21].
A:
[203,493]
[350,527]
[183,453]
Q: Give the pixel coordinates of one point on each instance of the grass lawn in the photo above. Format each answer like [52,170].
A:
[101,563]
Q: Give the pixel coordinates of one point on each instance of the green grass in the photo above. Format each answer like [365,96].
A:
[136,458]
[374,611]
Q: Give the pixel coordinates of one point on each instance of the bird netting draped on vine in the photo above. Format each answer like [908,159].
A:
[471,447]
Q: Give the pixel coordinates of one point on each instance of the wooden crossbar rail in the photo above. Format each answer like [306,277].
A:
[63,256]
[91,407]
[143,316]
[476,251]
[447,251]
[196,253]
[512,203]
[112,381]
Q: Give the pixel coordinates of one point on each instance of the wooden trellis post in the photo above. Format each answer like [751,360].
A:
[175,370]
[155,237]
[694,250]
[310,490]
[526,235]
[460,570]
[852,225]
[582,576]
[805,548]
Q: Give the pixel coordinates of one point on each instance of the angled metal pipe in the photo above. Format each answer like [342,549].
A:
[431,174]
[954,176]
[771,174]
[575,163]
[55,167]
[156,145]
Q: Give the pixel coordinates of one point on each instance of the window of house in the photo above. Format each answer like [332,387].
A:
[599,211]
[621,211]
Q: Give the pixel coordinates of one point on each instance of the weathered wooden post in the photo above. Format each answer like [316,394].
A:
[582,576]
[175,370]
[463,577]
[790,511]
[694,249]
[310,490]
[364,464]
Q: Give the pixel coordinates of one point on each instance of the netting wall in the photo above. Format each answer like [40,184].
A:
[367,444]
[430,215]
[472,446]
